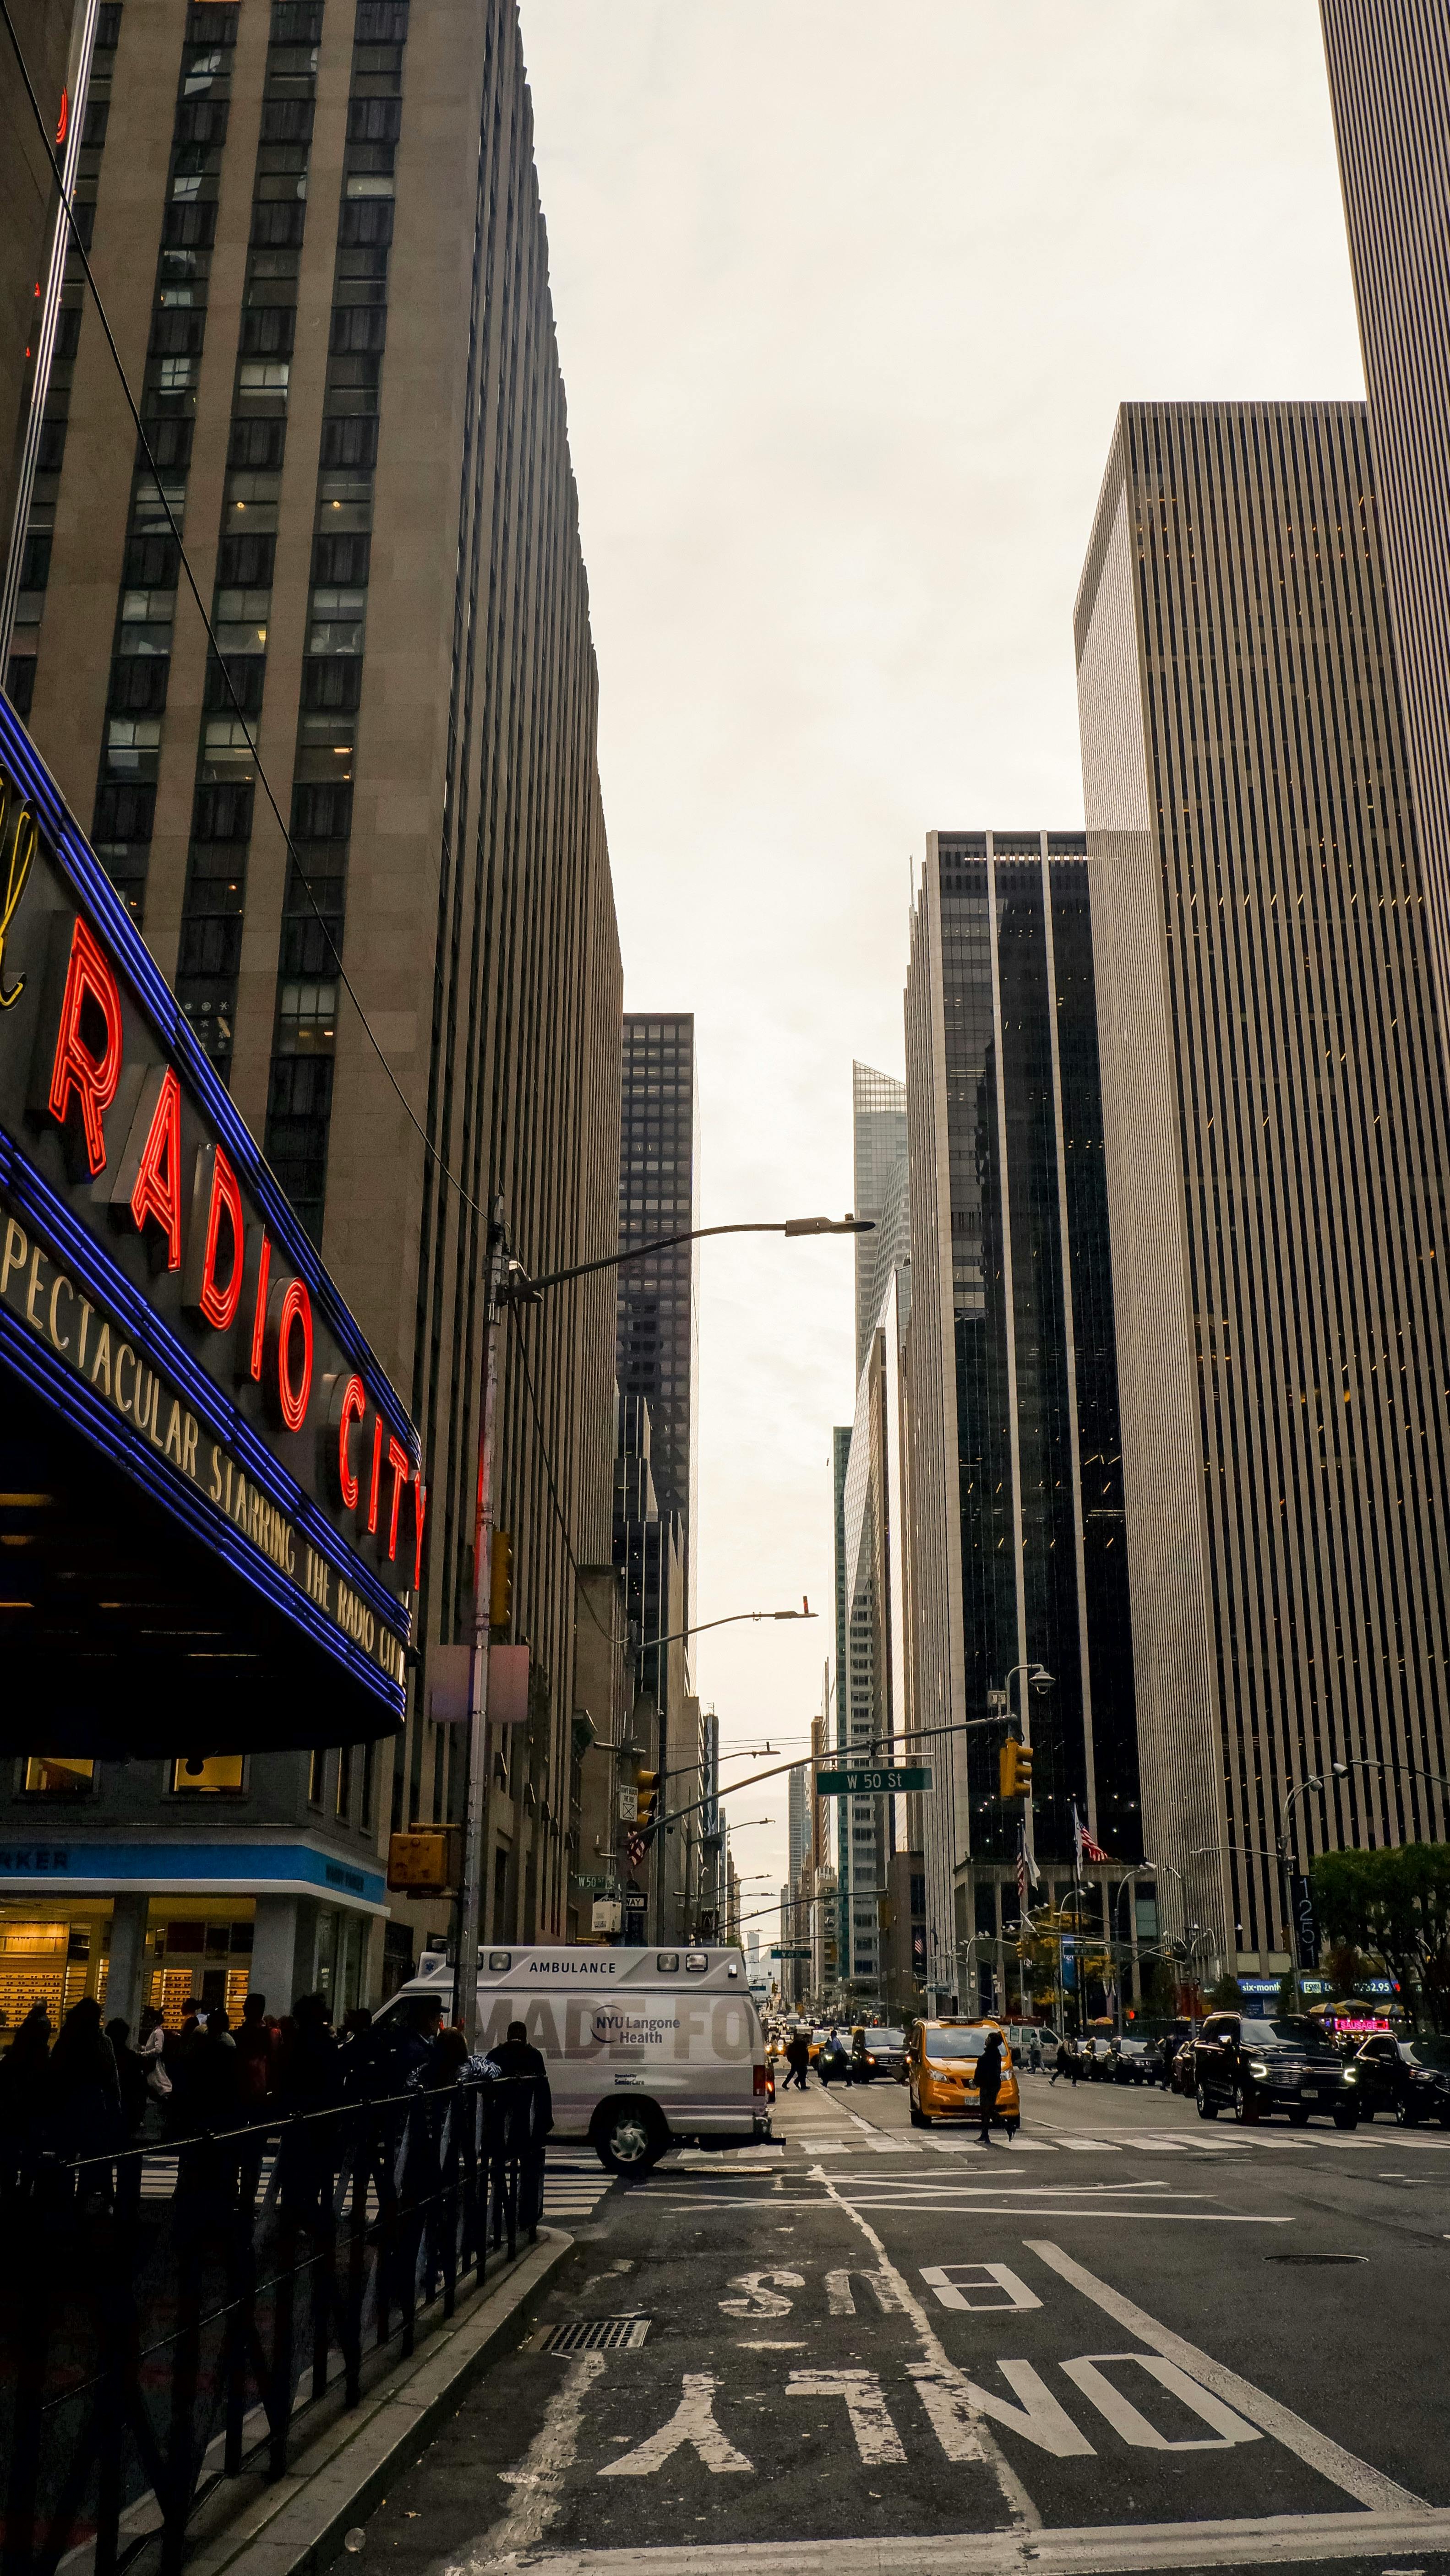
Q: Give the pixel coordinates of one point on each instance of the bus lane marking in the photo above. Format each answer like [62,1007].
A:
[978,2444]
[1369,2486]
[692,2424]
[877,2439]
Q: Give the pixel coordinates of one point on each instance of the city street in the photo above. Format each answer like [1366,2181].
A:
[1131,2340]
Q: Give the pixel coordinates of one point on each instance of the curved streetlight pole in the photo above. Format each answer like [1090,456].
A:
[1286,1858]
[507,1284]
[1145,1869]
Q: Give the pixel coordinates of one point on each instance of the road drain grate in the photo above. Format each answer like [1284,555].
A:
[598,2334]
[1315,2258]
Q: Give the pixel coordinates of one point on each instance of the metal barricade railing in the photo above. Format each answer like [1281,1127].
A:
[153,2344]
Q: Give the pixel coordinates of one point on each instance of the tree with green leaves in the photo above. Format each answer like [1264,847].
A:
[1396,1903]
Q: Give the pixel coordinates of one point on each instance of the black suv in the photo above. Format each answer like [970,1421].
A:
[1410,2077]
[1253,2068]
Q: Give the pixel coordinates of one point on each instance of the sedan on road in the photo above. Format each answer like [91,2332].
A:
[1408,2077]
[1254,2068]
[884,2053]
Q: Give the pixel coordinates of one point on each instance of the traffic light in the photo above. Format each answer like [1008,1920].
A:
[647,1790]
[1014,1769]
[500,1580]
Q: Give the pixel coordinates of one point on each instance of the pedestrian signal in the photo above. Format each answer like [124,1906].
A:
[1014,1770]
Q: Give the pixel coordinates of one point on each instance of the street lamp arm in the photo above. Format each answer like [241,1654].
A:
[805,1611]
[517,1288]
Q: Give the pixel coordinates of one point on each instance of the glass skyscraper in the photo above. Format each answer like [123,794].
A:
[1013,1466]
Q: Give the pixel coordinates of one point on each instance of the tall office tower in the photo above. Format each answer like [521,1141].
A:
[318,234]
[1276,1131]
[658,1345]
[658,1330]
[871,1671]
[878,1153]
[1016,1508]
[1389,83]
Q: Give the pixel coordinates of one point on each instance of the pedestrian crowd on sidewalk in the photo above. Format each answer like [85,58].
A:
[92,2091]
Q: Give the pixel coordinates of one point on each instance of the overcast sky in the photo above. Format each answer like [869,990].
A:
[846,297]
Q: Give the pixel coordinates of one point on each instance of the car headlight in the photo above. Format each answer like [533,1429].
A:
[1350,2076]
[1259,2071]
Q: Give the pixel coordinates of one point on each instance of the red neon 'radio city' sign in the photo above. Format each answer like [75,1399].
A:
[121,1128]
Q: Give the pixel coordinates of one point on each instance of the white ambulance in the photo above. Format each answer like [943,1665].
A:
[645,2049]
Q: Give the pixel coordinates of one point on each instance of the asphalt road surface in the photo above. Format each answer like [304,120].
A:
[1129,2341]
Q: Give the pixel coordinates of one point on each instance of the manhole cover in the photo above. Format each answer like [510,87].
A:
[1316,2258]
[597,2334]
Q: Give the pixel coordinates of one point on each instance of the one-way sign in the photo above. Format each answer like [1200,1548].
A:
[870,1784]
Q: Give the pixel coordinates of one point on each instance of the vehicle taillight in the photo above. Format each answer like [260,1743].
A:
[760,2079]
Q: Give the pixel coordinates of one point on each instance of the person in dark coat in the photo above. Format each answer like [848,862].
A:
[989,2083]
[513,2057]
[82,2087]
[132,2072]
[256,2043]
[22,2096]
[798,2059]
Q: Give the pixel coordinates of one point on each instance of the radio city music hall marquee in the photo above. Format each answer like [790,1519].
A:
[155,1286]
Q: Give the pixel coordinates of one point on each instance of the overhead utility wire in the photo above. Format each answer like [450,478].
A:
[303,879]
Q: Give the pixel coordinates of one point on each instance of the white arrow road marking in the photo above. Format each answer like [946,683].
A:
[955,2407]
[877,2439]
[693,2421]
[759,2294]
[1018,2504]
[1368,2486]
[538,2481]
[1227,2427]
[950,2287]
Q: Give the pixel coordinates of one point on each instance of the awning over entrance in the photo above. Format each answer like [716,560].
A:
[211,1517]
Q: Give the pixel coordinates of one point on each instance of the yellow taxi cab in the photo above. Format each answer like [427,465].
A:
[941,2074]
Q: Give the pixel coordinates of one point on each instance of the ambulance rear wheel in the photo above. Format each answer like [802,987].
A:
[630,2138]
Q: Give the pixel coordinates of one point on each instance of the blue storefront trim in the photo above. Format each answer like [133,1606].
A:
[45,1861]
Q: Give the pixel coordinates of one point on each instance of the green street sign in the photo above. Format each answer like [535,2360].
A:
[790,1954]
[870,1784]
[594,1885]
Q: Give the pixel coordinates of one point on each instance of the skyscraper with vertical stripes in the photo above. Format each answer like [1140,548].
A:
[1012,1468]
[316,226]
[1277,1140]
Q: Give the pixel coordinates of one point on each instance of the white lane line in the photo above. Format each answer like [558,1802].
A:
[1029,2209]
[1125,2549]
[1021,2512]
[538,2481]
[1368,2486]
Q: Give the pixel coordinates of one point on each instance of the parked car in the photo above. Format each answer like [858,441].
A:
[1180,2073]
[1409,2077]
[1097,2059]
[942,2074]
[1255,2068]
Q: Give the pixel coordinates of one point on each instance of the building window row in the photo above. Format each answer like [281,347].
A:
[146,612]
[304,1041]
[224,795]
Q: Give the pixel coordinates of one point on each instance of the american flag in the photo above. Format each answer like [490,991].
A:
[635,1846]
[1083,1843]
[1027,1869]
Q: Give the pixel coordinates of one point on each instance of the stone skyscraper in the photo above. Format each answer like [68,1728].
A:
[316,226]
[1277,1134]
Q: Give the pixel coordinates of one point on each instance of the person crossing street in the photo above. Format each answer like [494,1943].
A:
[989,2083]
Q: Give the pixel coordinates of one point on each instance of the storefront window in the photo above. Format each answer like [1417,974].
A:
[211,1774]
[59,1775]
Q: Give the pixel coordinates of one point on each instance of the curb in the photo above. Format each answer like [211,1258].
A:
[297,2527]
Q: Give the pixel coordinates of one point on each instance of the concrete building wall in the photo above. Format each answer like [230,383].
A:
[319,235]
[1276,1110]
